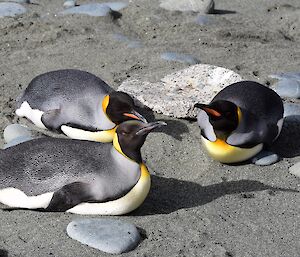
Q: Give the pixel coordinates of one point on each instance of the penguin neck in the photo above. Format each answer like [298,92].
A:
[223,135]
[136,157]
[106,123]
[123,163]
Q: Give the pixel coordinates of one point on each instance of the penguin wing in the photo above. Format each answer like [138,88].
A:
[52,119]
[207,129]
[252,131]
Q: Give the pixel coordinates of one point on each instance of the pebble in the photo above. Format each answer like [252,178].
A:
[200,6]
[175,94]
[288,88]
[14,131]
[183,58]
[69,3]
[265,158]
[96,9]
[17,141]
[291,110]
[295,169]
[131,43]
[108,235]
[11,9]
[15,134]
[287,75]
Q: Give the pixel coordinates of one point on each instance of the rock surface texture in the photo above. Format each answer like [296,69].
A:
[176,93]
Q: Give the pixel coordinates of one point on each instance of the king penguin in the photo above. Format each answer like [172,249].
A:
[77,103]
[239,120]
[82,177]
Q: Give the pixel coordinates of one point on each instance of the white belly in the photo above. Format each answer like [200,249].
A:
[222,152]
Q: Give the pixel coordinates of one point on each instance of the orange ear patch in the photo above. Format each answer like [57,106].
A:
[131,116]
[212,112]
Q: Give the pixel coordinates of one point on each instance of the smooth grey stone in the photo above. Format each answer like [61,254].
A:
[295,169]
[17,141]
[116,6]
[203,20]
[201,6]
[184,58]
[265,158]
[288,88]
[287,75]
[11,9]
[291,110]
[107,235]
[14,131]
[96,9]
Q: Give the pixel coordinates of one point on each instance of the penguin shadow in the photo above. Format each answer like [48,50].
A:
[3,253]
[175,128]
[168,194]
[222,12]
[288,143]
[145,111]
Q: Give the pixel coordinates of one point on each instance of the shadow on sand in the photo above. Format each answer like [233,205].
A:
[175,128]
[3,253]
[222,12]
[168,194]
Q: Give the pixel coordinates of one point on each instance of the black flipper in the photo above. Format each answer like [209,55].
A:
[252,131]
[69,196]
[52,120]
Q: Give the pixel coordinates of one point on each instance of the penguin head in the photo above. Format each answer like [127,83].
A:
[119,107]
[223,115]
[131,135]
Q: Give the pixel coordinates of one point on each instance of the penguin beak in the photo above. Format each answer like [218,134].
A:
[136,116]
[148,127]
[208,110]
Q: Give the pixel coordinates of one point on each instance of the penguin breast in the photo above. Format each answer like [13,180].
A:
[129,202]
[225,153]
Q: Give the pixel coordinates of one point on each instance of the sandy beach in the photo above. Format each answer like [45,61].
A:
[196,206]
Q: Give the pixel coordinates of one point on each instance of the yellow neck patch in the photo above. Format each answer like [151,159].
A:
[105,103]
[144,171]
[223,152]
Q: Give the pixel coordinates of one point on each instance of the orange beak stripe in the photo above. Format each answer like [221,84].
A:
[212,112]
[131,116]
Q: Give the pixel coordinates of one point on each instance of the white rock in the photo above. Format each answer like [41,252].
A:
[201,6]
[295,169]
[176,93]
[69,3]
